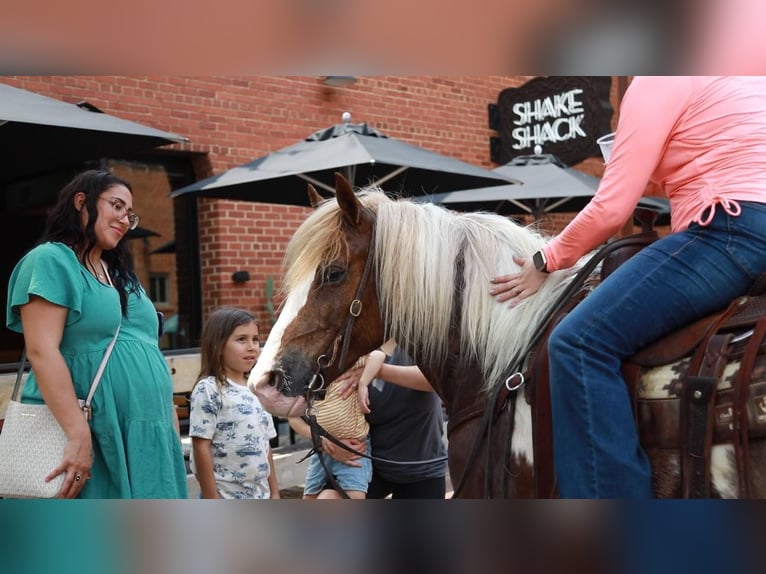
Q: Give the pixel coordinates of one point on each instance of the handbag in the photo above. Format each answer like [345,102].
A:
[32,442]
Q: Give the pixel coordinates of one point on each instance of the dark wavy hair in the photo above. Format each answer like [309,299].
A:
[64,225]
[218,327]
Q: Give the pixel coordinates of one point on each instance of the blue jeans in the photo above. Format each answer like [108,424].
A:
[348,477]
[674,281]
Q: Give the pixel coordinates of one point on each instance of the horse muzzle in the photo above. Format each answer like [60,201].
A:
[277,396]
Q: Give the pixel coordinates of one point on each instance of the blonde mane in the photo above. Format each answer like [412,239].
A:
[426,257]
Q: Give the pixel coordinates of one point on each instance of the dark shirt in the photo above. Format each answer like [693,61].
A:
[405,425]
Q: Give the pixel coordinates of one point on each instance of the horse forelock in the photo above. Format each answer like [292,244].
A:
[419,248]
[320,239]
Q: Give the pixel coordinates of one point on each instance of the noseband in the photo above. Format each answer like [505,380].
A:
[343,338]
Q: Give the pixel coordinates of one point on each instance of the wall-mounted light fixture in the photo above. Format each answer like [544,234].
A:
[240,276]
[339,81]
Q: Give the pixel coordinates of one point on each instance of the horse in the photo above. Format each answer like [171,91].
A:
[364,268]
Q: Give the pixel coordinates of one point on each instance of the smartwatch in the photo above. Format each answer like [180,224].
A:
[540,262]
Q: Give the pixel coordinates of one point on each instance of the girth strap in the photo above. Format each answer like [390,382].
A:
[501,397]
[697,406]
[739,406]
[542,427]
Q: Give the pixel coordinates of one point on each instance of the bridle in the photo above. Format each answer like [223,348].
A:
[343,339]
[317,382]
[317,385]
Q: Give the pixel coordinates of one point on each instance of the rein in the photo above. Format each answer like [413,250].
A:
[317,432]
[322,432]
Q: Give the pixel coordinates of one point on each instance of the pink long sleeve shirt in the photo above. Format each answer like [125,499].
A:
[701,139]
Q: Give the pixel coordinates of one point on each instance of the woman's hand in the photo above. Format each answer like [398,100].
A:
[75,465]
[517,287]
[341,454]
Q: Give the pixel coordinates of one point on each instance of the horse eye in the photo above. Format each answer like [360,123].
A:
[333,275]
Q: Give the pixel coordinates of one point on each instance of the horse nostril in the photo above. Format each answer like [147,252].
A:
[277,379]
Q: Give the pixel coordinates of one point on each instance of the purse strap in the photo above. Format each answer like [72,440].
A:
[93,385]
[99,372]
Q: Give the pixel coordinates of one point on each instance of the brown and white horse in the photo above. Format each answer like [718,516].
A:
[364,268]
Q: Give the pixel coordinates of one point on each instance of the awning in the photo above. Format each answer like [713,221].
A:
[38,134]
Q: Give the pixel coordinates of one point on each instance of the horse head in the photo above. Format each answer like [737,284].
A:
[330,262]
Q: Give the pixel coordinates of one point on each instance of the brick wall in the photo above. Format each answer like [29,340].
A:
[233,120]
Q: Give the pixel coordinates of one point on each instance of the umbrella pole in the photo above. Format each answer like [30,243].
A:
[390,175]
[316,183]
[351,174]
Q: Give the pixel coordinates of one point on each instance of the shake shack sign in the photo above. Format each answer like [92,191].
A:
[564,115]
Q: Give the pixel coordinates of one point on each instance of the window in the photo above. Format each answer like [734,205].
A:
[158,287]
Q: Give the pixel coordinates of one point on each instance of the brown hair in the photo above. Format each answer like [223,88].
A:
[219,325]
[64,225]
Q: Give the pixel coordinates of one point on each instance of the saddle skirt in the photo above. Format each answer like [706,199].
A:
[663,367]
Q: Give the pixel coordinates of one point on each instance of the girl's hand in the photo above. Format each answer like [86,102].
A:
[363,396]
[348,381]
[517,287]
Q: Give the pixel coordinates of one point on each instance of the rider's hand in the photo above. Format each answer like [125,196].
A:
[518,286]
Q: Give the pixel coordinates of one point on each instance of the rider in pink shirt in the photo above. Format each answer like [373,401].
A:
[703,141]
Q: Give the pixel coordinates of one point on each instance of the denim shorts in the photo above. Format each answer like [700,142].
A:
[348,477]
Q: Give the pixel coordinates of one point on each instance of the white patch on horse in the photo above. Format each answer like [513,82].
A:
[295,301]
[724,471]
[522,446]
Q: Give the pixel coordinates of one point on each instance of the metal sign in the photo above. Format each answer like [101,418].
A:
[564,115]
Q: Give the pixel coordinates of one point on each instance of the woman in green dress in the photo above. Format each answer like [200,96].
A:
[68,295]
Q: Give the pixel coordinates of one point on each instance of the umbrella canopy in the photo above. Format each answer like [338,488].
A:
[547,186]
[361,153]
[141,233]
[38,134]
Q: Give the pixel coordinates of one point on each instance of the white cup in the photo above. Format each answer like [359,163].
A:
[606,143]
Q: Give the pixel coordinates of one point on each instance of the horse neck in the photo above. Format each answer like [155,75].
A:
[434,271]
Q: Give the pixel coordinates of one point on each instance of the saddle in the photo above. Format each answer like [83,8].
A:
[700,386]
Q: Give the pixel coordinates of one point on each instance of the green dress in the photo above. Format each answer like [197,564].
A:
[137,453]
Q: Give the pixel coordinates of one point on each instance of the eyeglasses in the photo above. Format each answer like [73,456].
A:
[120,210]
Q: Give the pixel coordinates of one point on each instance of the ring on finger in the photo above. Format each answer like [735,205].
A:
[77,477]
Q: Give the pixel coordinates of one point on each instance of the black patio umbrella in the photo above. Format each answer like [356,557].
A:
[547,186]
[38,134]
[141,233]
[361,153]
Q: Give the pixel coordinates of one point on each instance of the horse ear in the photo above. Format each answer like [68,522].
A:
[314,198]
[347,199]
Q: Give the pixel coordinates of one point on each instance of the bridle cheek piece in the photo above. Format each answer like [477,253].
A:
[317,382]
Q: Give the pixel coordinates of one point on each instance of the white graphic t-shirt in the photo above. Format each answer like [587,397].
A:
[240,428]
